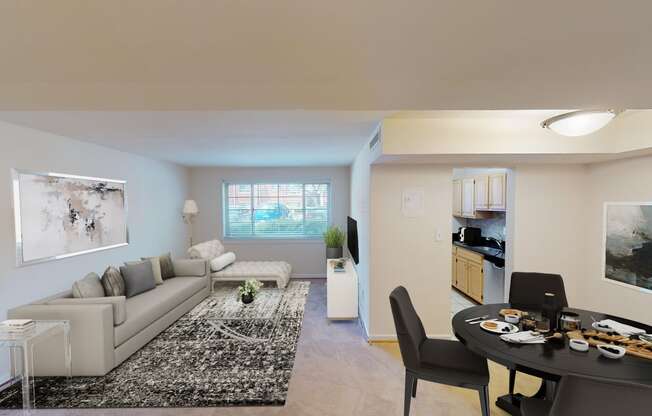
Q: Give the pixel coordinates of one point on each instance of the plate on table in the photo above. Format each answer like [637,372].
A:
[498,327]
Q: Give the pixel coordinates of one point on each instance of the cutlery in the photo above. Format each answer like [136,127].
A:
[478,321]
[476,318]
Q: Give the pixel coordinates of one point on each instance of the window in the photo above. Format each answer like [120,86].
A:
[285,210]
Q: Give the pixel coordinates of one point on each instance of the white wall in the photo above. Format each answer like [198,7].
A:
[155,192]
[306,256]
[404,250]
[360,181]
[549,223]
[619,181]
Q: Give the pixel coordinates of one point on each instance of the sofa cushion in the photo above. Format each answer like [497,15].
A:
[190,267]
[147,307]
[88,287]
[118,303]
[206,250]
[113,283]
[167,267]
[139,277]
[220,262]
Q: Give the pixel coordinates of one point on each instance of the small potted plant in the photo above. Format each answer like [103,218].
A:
[334,239]
[248,290]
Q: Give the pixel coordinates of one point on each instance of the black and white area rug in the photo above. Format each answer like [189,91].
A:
[222,353]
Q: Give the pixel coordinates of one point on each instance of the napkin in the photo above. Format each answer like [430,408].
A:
[526,337]
[622,329]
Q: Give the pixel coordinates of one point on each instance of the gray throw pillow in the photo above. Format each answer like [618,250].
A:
[88,287]
[138,277]
[114,284]
[167,268]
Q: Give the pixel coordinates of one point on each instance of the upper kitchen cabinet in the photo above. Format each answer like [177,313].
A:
[457,198]
[497,192]
[468,197]
[482,192]
[478,195]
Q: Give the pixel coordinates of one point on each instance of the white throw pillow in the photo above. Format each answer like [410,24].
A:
[218,263]
[207,250]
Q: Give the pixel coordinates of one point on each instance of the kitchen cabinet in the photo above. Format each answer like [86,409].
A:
[468,197]
[497,192]
[457,198]
[482,192]
[468,274]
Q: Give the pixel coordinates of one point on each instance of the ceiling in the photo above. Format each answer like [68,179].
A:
[216,138]
[324,55]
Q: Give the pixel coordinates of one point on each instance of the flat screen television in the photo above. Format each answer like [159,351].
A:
[352,238]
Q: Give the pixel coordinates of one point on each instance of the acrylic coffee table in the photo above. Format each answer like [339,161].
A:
[21,347]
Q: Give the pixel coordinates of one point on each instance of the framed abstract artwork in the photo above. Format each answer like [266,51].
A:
[628,244]
[58,216]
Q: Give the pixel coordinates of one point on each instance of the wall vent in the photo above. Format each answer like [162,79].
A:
[375,140]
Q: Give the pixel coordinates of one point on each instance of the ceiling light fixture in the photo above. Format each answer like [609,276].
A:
[579,123]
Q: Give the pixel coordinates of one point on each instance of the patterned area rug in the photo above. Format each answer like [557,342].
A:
[222,353]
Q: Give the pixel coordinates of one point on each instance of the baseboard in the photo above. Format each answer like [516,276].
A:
[392,338]
[308,276]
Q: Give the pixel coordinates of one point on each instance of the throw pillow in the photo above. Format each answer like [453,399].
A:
[139,278]
[218,263]
[206,250]
[167,268]
[156,268]
[114,284]
[88,287]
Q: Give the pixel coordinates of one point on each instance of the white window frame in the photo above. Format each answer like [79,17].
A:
[253,238]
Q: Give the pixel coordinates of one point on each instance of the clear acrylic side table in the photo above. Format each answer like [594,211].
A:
[21,347]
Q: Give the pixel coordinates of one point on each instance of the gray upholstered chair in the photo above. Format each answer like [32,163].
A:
[437,360]
[579,395]
[527,291]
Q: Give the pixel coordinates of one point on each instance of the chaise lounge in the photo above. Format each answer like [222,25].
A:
[224,267]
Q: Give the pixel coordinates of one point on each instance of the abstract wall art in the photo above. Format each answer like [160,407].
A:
[58,215]
[628,244]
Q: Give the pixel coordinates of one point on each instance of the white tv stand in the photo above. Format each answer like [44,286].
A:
[341,291]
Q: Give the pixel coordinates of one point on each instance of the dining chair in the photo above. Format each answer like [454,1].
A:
[437,360]
[579,395]
[527,291]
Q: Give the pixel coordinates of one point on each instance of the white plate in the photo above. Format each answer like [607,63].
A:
[598,328]
[499,328]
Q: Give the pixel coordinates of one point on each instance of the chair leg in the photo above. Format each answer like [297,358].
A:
[409,383]
[414,387]
[512,381]
[484,400]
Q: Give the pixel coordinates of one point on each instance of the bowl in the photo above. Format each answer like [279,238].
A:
[611,351]
[578,345]
[646,338]
[512,319]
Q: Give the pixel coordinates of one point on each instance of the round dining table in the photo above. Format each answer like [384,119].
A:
[550,361]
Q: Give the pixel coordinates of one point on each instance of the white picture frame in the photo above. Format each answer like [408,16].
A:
[40,200]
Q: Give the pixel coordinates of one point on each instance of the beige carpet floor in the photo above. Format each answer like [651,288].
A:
[337,372]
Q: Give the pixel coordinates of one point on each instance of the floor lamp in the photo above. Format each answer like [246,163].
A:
[190,211]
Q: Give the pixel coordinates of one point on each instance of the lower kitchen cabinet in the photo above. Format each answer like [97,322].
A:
[468,275]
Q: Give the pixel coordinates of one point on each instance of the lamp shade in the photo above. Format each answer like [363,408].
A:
[579,123]
[190,207]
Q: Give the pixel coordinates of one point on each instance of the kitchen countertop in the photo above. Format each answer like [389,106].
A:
[491,254]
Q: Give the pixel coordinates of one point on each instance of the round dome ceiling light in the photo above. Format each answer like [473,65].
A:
[579,123]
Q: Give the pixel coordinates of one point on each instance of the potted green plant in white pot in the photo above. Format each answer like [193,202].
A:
[248,290]
[334,239]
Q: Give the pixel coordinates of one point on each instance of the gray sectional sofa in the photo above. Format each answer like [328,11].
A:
[106,331]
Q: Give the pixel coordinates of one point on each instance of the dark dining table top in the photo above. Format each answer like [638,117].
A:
[554,359]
